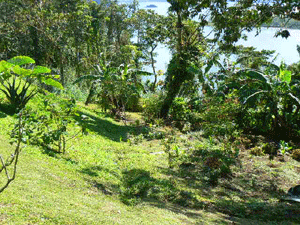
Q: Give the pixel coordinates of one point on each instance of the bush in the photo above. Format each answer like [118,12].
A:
[48,126]
[219,115]
[151,106]
[270,101]
[257,151]
[296,154]
[214,161]
[73,91]
[269,148]
[136,184]
[180,110]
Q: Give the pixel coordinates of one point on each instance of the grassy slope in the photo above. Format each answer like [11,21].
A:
[82,186]
[75,189]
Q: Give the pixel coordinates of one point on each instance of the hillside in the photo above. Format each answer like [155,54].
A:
[277,22]
[113,175]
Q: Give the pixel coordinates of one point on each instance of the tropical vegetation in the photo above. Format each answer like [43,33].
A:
[89,136]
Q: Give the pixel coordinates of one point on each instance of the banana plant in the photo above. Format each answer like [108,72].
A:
[17,76]
[271,93]
[116,85]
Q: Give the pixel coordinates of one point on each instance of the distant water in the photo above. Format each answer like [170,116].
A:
[285,48]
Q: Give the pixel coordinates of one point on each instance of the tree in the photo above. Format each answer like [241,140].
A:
[13,160]
[187,52]
[151,31]
[53,33]
[229,21]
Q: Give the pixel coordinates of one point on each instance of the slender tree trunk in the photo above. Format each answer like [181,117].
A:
[62,75]
[110,29]
[179,33]
[153,69]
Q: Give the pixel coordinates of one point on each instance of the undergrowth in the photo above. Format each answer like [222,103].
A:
[138,173]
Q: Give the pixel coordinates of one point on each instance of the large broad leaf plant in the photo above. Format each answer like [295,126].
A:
[17,76]
[270,97]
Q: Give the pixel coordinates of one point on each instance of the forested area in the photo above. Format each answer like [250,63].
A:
[215,135]
[288,23]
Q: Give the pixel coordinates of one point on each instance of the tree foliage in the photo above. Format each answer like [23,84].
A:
[229,19]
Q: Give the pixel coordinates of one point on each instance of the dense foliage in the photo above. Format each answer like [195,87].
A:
[218,95]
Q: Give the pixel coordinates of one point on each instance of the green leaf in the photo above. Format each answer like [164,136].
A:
[21,71]
[142,73]
[53,83]
[125,70]
[41,70]
[5,66]
[256,75]
[196,70]
[253,95]
[285,76]
[21,60]
[209,66]
[55,76]
[88,77]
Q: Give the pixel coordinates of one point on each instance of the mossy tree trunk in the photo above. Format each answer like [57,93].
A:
[176,72]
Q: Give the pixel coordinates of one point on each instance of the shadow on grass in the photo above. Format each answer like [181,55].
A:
[94,170]
[6,109]
[106,188]
[3,115]
[137,186]
[272,213]
[104,127]
[240,198]
[58,155]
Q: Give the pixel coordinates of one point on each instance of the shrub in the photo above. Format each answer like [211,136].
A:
[269,148]
[48,126]
[270,101]
[219,115]
[151,106]
[74,92]
[214,161]
[296,154]
[119,87]
[180,110]
[257,151]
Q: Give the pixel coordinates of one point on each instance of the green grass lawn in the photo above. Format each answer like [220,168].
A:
[86,185]
[81,186]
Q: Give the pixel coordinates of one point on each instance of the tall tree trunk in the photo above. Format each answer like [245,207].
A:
[173,90]
[179,72]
